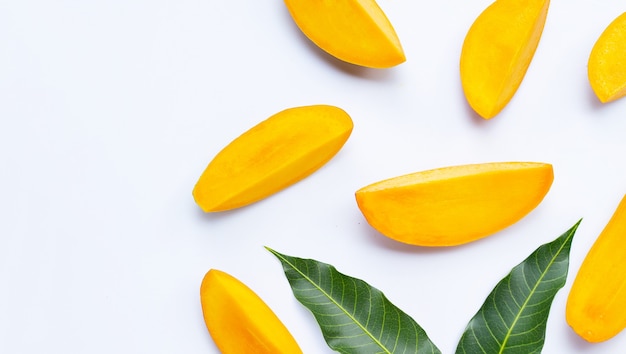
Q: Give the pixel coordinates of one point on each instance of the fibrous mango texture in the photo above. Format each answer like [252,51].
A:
[497,51]
[355,31]
[454,205]
[596,305]
[606,68]
[239,321]
[273,155]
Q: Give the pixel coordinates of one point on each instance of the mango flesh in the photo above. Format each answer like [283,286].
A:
[497,51]
[606,68]
[355,31]
[239,321]
[271,156]
[596,305]
[454,205]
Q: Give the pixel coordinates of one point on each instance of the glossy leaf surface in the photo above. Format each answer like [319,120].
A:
[354,317]
[513,317]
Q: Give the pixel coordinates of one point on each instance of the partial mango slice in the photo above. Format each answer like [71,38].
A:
[273,155]
[497,51]
[355,31]
[606,68]
[239,321]
[596,305]
[454,205]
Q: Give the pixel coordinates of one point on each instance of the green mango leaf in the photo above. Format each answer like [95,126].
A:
[514,316]
[354,317]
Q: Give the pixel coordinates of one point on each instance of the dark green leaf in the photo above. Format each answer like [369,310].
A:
[354,317]
[514,316]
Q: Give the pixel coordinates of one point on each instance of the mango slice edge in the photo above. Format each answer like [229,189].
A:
[239,321]
[597,299]
[276,153]
[354,31]
[454,205]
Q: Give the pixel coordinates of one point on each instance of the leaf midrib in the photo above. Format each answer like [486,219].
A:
[519,313]
[364,329]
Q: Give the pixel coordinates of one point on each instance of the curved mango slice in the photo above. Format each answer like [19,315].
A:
[355,31]
[597,300]
[606,68]
[238,319]
[497,51]
[454,205]
[271,156]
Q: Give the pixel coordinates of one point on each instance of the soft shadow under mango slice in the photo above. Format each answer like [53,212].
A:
[606,68]
[355,31]
[239,321]
[271,156]
[497,51]
[597,301]
[454,205]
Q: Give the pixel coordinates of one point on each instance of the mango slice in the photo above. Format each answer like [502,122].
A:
[497,51]
[596,305]
[606,68]
[239,321]
[454,205]
[271,156]
[355,31]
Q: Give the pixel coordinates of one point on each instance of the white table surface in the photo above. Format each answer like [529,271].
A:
[110,110]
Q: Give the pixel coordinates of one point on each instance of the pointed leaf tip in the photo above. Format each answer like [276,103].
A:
[513,318]
[354,317]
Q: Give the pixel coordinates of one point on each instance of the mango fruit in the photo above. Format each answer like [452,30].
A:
[355,31]
[497,51]
[239,321]
[596,305]
[454,205]
[274,154]
[606,68]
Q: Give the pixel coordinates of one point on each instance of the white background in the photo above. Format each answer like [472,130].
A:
[111,110]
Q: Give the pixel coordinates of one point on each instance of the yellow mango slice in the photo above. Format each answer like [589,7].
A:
[355,31]
[596,305]
[239,321]
[454,205]
[606,68]
[271,156]
[497,51]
